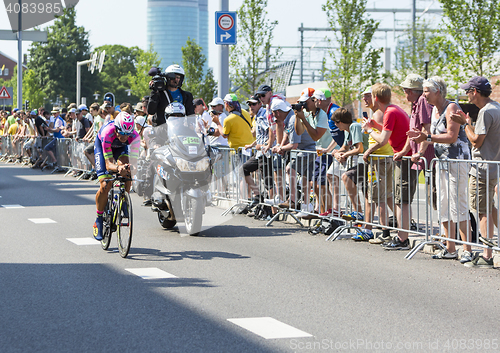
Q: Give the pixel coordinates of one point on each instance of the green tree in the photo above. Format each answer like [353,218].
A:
[354,32]
[118,63]
[32,90]
[193,61]
[54,62]
[474,26]
[248,58]
[138,80]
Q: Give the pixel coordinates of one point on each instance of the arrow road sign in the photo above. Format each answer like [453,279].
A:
[225,27]
[4,94]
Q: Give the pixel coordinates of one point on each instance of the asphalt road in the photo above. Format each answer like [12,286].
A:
[238,287]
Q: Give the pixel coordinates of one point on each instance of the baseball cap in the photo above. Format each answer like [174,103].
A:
[15,110]
[140,120]
[368,90]
[230,97]
[34,112]
[322,94]
[83,107]
[72,110]
[139,106]
[216,101]
[253,99]
[413,81]
[18,118]
[263,89]
[306,94]
[278,104]
[479,82]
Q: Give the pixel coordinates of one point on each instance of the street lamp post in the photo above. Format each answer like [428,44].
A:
[426,61]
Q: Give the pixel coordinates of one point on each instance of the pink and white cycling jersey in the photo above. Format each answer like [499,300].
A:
[109,140]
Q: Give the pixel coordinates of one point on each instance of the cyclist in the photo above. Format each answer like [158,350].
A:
[115,142]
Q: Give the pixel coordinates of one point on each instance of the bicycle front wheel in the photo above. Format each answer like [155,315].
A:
[124,233]
[108,219]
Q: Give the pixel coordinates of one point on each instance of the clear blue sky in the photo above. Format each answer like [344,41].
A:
[124,21]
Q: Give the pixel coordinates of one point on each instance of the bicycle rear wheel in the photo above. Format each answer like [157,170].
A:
[106,229]
[125,217]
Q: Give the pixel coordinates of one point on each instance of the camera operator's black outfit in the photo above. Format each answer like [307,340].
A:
[158,102]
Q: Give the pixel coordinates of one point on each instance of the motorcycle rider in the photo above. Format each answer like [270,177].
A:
[159,98]
[157,139]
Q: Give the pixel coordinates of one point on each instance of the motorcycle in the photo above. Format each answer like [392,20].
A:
[183,172]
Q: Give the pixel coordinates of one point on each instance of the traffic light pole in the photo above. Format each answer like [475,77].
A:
[78,78]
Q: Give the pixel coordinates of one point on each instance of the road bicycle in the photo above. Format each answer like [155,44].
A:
[118,216]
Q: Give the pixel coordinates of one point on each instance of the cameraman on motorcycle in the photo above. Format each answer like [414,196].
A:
[157,139]
[166,89]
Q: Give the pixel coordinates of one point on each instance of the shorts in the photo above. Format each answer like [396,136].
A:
[358,175]
[481,194]
[379,180]
[264,165]
[100,163]
[89,149]
[303,164]
[452,198]
[51,146]
[321,165]
[406,181]
[336,168]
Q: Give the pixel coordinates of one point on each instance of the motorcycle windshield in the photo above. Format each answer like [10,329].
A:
[183,139]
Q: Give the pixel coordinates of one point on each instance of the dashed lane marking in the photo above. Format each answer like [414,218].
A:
[12,206]
[41,220]
[84,241]
[150,273]
[269,328]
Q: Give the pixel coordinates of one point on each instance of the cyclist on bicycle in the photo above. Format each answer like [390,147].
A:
[115,142]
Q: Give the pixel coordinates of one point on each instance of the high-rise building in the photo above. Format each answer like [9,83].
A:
[171,22]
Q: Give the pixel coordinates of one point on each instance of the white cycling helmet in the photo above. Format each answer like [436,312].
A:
[175,108]
[124,123]
[175,69]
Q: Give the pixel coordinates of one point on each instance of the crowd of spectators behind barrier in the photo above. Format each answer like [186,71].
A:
[284,136]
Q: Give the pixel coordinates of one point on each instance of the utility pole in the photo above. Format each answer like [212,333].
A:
[224,59]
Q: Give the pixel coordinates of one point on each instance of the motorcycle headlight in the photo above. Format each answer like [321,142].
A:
[186,166]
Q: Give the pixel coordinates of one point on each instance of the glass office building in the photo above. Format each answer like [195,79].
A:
[171,22]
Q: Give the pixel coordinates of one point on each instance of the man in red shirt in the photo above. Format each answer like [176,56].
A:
[393,131]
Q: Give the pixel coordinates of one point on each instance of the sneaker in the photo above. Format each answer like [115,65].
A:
[310,216]
[147,203]
[363,235]
[273,202]
[466,257]
[303,211]
[358,216]
[380,239]
[287,204]
[255,201]
[480,262]
[98,228]
[397,244]
[445,254]
[491,242]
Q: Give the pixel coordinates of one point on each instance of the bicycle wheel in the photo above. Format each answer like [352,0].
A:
[106,229]
[124,222]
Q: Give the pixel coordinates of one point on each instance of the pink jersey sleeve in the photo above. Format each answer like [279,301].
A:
[107,136]
[134,142]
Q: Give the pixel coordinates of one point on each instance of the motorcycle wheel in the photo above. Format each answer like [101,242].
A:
[193,214]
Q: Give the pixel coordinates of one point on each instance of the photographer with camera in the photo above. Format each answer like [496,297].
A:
[166,89]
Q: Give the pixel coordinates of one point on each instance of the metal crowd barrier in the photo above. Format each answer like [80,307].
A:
[455,196]
[291,180]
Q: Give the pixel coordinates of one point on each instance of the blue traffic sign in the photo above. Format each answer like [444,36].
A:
[225,27]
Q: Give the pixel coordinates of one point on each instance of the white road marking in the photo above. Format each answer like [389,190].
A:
[41,220]
[269,328]
[84,241]
[12,206]
[150,273]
